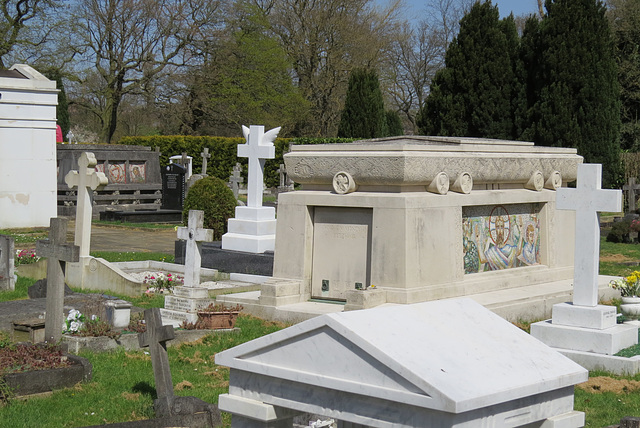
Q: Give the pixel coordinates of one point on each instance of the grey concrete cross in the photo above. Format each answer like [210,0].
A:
[205,155]
[587,199]
[630,188]
[86,179]
[194,234]
[155,338]
[58,252]
[236,179]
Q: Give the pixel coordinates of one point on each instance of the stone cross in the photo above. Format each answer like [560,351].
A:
[630,188]
[258,149]
[194,234]
[282,171]
[84,179]
[205,155]
[155,338]
[587,199]
[236,179]
[58,252]
[7,254]
[185,160]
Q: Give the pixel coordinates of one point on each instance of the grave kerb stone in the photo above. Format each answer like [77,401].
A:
[587,200]
[258,149]
[155,338]
[86,179]
[57,252]
[194,234]
[235,179]
[205,155]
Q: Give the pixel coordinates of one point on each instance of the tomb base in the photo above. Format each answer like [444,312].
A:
[183,305]
[606,341]
[253,230]
[280,292]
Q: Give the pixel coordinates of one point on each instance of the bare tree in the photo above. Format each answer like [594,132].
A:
[14,20]
[129,43]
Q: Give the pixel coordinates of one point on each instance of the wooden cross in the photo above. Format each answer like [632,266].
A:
[194,234]
[258,149]
[58,252]
[84,179]
[587,199]
[630,189]
[236,179]
[155,338]
[205,155]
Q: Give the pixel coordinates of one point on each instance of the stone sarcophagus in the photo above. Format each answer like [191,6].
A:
[421,218]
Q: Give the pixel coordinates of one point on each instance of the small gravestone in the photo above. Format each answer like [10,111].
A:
[174,411]
[173,187]
[39,289]
[235,179]
[7,278]
[185,301]
[205,155]
[58,253]
[631,189]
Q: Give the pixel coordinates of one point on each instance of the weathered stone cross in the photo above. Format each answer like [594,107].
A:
[194,234]
[58,252]
[84,179]
[236,179]
[630,189]
[155,338]
[205,155]
[587,199]
[258,149]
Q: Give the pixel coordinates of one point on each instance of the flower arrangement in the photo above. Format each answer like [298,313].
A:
[162,283]
[221,308]
[74,322]
[629,286]
[635,225]
[25,257]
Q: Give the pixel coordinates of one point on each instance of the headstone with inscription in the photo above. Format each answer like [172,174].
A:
[7,253]
[184,302]
[173,187]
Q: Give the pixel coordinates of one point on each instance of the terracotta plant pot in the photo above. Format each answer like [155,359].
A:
[630,307]
[217,320]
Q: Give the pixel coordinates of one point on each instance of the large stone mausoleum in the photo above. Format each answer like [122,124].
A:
[413,219]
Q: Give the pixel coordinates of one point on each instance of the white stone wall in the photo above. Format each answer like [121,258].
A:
[28,191]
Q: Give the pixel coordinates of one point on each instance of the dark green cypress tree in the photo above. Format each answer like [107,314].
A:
[477,93]
[574,100]
[363,115]
[394,124]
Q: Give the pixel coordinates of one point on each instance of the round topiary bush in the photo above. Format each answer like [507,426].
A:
[619,232]
[212,196]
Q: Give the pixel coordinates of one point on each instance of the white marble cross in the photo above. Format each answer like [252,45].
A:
[587,199]
[58,252]
[84,179]
[259,147]
[205,155]
[194,234]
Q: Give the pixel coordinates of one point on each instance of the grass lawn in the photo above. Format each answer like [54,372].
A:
[122,388]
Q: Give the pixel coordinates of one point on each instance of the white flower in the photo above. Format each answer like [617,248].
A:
[75,326]
[73,314]
[93,317]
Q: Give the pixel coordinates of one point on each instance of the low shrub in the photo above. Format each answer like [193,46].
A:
[619,232]
[212,196]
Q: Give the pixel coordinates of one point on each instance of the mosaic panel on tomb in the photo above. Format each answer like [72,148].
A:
[137,172]
[500,237]
[117,173]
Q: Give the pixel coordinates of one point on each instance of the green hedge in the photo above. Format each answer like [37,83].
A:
[223,152]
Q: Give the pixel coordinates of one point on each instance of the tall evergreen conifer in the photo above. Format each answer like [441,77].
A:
[573,92]
[363,115]
[477,93]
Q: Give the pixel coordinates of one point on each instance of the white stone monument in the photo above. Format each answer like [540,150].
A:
[86,179]
[28,188]
[253,229]
[185,301]
[186,162]
[450,363]
[584,325]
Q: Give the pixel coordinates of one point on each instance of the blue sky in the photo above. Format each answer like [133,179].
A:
[518,7]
